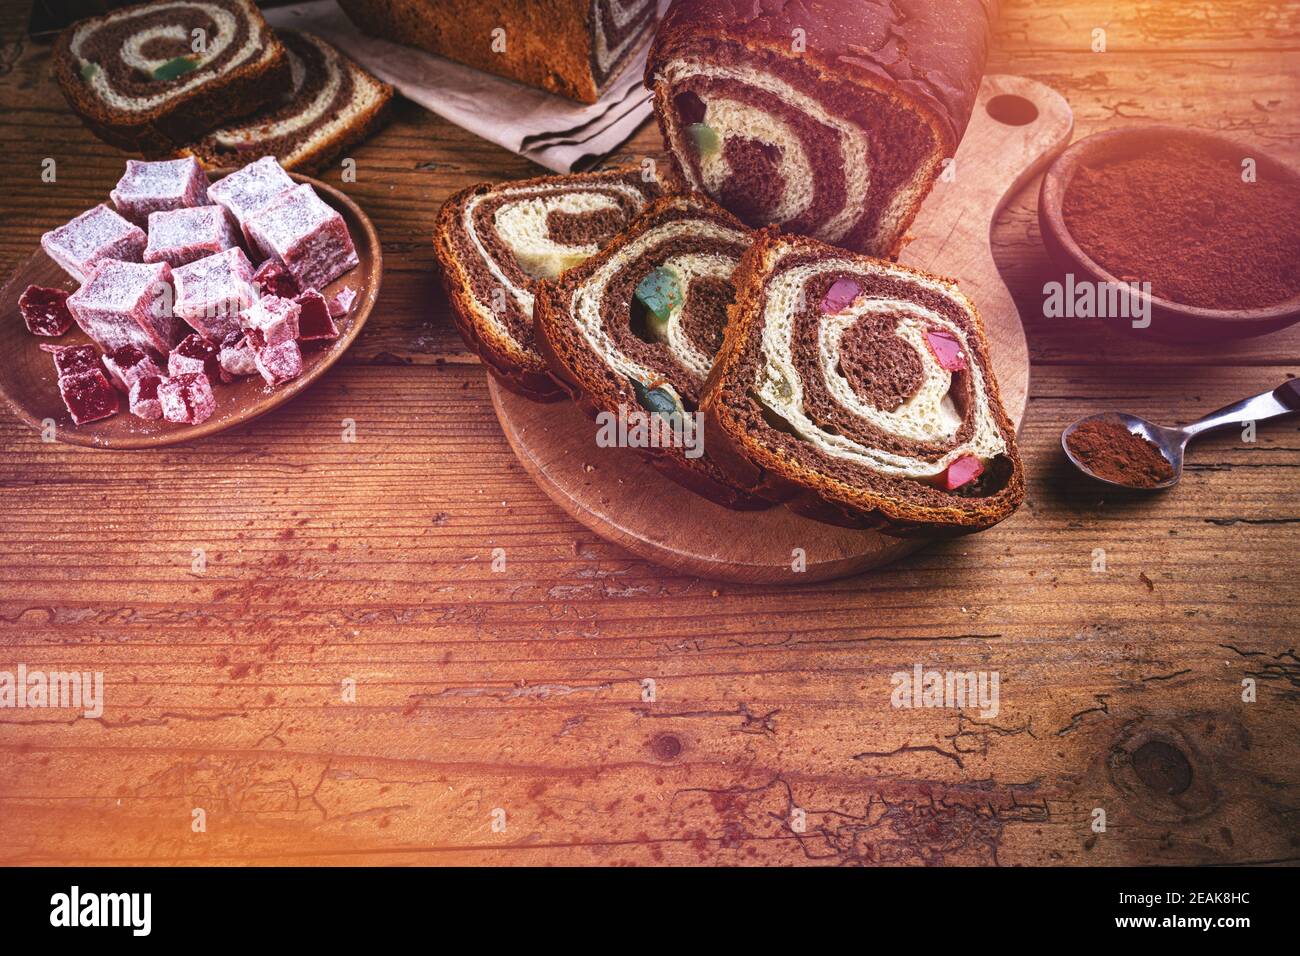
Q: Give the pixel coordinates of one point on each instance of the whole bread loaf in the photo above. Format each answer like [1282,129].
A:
[575,48]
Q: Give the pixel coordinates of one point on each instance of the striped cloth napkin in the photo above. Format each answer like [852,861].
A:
[554,132]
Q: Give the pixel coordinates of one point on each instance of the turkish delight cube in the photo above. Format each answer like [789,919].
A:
[307,235]
[153,187]
[271,320]
[45,311]
[96,234]
[129,364]
[193,354]
[315,321]
[187,399]
[127,303]
[144,398]
[279,363]
[236,357]
[88,395]
[341,304]
[212,291]
[247,190]
[73,359]
[271,278]
[179,236]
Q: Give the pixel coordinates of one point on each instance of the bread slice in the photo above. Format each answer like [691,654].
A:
[155,76]
[576,48]
[632,333]
[863,390]
[496,242]
[331,103]
[829,119]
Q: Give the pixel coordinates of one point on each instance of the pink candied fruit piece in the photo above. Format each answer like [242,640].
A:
[45,310]
[341,304]
[193,355]
[212,291]
[149,187]
[315,321]
[129,364]
[97,234]
[73,359]
[271,278]
[236,357]
[271,320]
[279,363]
[307,235]
[88,395]
[127,303]
[962,471]
[946,349]
[187,399]
[247,190]
[144,398]
[180,236]
[841,295]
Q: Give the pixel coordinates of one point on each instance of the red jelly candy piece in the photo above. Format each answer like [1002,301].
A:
[947,350]
[314,321]
[272,278]
[341,304]
[144,398]
[194,355]
[236,357]
[73,359]
[962,471]
[130,363]
[187,399]
[279,363]
[840,296]
[88,396]
[45,310]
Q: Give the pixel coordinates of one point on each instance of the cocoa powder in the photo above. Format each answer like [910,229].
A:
[1111,451]
[1185,220]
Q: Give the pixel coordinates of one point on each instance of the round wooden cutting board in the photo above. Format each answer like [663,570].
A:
[1019,125]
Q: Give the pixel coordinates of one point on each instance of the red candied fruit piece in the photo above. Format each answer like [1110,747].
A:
[272,278]
[88,396]
[194,355]
[314,321]
[840,296]
[45,310]
[73,359]
[947,350]
[962,472]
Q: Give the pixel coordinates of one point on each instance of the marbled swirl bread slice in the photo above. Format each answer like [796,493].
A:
[496,241]
[331,103]
[155,76]
[864,390]
[634,330]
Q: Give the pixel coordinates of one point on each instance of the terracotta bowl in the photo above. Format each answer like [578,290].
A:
[1169,320]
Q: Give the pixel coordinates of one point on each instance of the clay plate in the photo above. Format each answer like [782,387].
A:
[1169,320]
[29,387]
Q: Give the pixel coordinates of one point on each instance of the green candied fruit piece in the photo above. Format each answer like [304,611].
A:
[661,294]
[657,401]
[88,71]
[176,66]
[706,138]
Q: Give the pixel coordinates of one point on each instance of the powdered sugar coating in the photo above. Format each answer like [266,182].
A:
[144,398]
[247,190]
[212,291]
[187,399]
[71,359]
[180,236]
[194,354]
[127,303]
[236,358]
[153,187]
[95,235]
[279,363]
[129,364]
[307,235]
[271,320]
[88,396]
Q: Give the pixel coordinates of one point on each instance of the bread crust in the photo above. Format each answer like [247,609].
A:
[550,317]
[807,490]
[932,61]
[162,132]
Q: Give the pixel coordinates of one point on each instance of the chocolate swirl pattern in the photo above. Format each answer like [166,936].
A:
[152,75]
[864,389]
[830,120]
[497,242]
[618,28]
[633,331]
[330,104]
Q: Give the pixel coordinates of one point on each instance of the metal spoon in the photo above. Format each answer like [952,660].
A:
[1172,442]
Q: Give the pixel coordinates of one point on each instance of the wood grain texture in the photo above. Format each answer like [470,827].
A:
[522,689]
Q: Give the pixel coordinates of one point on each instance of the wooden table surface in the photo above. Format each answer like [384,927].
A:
[516,695]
